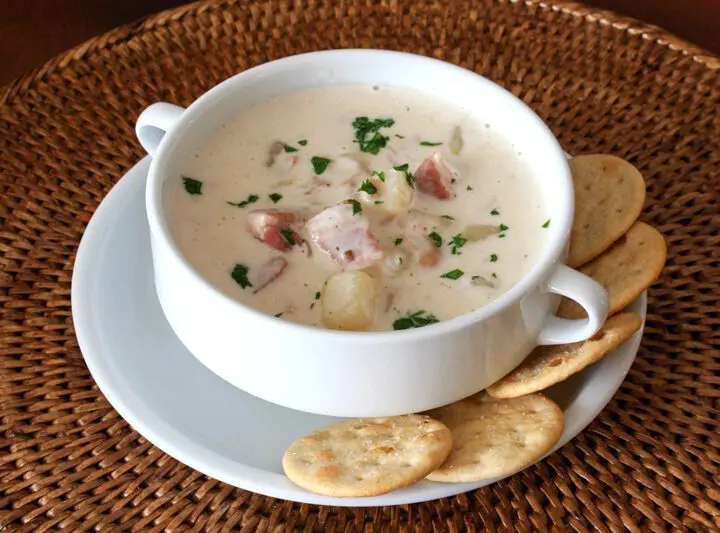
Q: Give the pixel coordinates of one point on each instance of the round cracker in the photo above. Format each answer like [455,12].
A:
[609,195]
[367,456]
[628,268]
[548,365]
[497,437]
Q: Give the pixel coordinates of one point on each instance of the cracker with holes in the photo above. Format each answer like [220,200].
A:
[627,269]
[548,365]
[367,456]
[609,195]
[496,437]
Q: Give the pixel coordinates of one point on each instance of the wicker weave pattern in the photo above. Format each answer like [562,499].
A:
[650,462]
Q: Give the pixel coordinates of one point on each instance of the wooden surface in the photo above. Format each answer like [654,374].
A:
[33,31]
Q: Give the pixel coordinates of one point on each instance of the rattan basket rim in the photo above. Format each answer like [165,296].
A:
[114,37]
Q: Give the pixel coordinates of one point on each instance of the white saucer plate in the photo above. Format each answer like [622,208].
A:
[193,415]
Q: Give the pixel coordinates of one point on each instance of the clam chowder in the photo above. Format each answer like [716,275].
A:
[359,208]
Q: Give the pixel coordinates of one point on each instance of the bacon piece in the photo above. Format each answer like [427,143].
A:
[434,177]
[268,226]
[269,272]
[344,236]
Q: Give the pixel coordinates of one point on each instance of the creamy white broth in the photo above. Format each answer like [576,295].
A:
[493,186]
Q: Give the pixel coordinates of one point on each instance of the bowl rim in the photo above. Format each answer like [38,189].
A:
[552,255]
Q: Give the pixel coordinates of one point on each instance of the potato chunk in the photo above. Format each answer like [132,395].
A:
[349,301]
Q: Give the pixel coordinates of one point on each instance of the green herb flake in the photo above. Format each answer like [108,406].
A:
[468,188]
[547,223]
[320,164]
[289,149]
[380,175]
[494,212]
[408,176]
[278,315]
[303,142]
[250,200]
[436,238]
[312,305]
[356,206]
[239,274]
[447,217]
[502,236]
[367,133]
[494,275]
[429,143]
[398,241]
[399,136]
[317,295]
[288,236]
[368,187]
[378,202]
[503,227]
[453,274]
[275,197]
[457,242]
[493,258]
[192,186]
[417,319]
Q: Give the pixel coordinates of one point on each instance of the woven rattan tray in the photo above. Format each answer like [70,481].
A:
[651,460]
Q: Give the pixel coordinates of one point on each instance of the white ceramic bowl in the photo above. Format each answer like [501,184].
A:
[372,373]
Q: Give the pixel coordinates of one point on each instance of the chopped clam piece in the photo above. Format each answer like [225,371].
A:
[395,262]
[456,141]
[349,301]
[480,281]
[478,232]
[275,150]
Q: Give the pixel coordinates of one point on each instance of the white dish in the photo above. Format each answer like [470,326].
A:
[168,396]
[380,373]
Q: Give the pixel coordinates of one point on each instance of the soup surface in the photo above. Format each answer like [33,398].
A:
[359,208]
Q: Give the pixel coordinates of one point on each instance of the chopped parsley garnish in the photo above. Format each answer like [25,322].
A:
[367,133]
[436,238]
[547,223]
[408,176]
[429,143]
[468,188]
[378,202]
[319,164]
[457,242]
[503,227]
[303,142]
[356,206]
[493,258]
[278,315]
[502,236]
[275,197]
[448,217]
[398,241]
[312,305]
[399,136]
[289,148]
[192,186]
[453,274]
[494,275]
[250,200]
[317,295]
[418,319]
[367,187]
[288,236]
[380,175]
[239,274]
[494,212]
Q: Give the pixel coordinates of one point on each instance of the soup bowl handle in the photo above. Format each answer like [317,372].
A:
[154,122]
[588,293]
